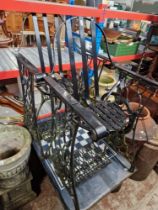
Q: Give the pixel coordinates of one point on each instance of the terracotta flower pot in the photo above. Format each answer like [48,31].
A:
[146,143]
[145,127]
[145,161]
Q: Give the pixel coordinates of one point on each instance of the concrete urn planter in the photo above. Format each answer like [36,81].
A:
[15,146]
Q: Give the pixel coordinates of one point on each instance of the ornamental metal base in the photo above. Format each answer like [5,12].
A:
[13,198]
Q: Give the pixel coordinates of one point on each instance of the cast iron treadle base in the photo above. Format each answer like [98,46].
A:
[88,160]
[89,157]
[95,187]
[102,173]
[110,114]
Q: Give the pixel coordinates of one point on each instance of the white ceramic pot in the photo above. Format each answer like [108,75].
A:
[15,147]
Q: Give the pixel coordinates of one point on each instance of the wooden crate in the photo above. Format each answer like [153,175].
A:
[14,22]
[30,26]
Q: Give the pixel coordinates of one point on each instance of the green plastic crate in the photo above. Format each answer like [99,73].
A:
[119,49]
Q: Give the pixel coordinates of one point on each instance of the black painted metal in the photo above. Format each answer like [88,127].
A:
[28,65]
[151,84]
[110,114]
[48,42]
[50,170]
[84,56]
[73,166]
[27,72]
[94,54]
[72,58]
[98,129]
[57,39]
[38,42]
[104,181]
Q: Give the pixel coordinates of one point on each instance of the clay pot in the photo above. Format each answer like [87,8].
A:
[146,144]
[146,160]
[150,103]
[145,127]
[15,147]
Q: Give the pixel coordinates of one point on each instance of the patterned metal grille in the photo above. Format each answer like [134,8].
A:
[27,81]
[89,157]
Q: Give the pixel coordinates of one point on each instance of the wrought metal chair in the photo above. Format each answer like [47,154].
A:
[75,138]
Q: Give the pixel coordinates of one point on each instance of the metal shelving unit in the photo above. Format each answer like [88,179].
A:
[8,66]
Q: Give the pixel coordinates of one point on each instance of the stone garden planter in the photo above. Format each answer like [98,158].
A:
[15,146]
